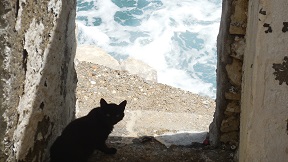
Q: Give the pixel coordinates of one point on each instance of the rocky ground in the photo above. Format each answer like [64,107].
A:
[96,81]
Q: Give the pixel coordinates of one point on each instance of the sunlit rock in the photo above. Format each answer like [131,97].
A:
[140,68]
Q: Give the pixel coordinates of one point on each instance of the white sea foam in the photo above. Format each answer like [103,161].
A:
[177,38]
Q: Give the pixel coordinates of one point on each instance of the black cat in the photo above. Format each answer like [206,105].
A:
[86,134]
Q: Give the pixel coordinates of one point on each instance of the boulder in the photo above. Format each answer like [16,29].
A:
[139,68]
[96,55]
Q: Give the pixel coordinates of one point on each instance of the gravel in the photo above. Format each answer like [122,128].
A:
[96,82]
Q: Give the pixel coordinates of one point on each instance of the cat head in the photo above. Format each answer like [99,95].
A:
[112,113]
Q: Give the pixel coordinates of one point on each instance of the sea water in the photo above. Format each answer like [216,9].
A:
[175,37]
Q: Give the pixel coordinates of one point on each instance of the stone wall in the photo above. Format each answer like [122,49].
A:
[230,50]
[38,79]
[253,34]
[264,104]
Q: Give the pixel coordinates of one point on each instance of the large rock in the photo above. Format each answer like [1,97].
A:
[139,68]
[96,55]
[38,79]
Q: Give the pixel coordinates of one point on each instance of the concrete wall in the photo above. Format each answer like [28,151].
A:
[264,104]
[38,80]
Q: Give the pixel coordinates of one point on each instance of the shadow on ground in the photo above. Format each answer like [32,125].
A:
[148,149]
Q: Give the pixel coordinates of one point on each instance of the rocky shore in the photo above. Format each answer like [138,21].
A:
[96,81]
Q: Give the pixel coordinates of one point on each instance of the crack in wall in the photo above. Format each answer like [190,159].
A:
[24,60]
[17,7]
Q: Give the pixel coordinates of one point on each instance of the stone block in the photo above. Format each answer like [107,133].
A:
[232,96]
[232,108]
[231,137]
[239,17]
[238,48]
[230,124]
[234,72]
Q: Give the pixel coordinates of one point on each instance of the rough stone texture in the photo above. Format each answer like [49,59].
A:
[264,110]
[234,72]
[232,96]
[223,49]
[230,137]
[3,24]
[239,17]
[230,48]
[38,79]
[233,107]
[238,48]
[230,124]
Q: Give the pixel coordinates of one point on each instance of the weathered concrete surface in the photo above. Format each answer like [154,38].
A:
[38,79]
[264,105]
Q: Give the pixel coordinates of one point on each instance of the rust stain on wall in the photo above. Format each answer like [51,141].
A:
[281,71]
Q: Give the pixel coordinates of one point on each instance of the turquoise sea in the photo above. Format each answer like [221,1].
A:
[177,38]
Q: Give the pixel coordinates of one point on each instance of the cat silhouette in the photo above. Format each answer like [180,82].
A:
[88,133]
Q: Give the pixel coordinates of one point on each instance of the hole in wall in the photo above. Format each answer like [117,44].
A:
[199,66]
[42,105]
[184,55]
[17,6]
[45,83]
[24,60]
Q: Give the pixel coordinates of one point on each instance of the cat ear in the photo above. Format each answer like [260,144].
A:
[123,104]
[103,103]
